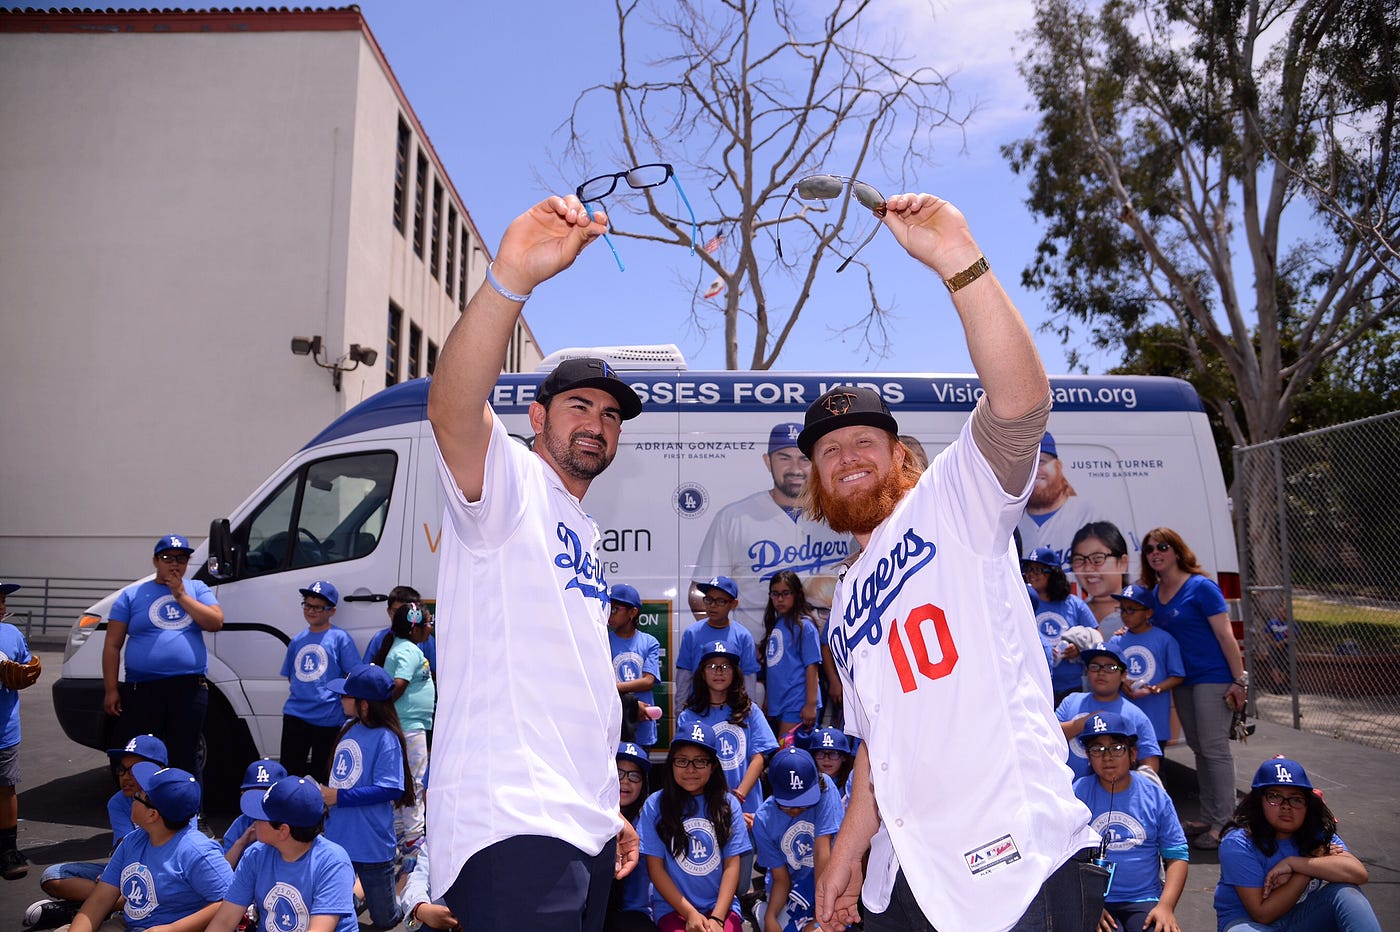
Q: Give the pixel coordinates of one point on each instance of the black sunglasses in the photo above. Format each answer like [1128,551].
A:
[825,187]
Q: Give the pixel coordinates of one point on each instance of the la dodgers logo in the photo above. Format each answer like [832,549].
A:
[588,572]
[166,613]
[775,647]
[797,845]
[730,742]
[702,851]
[873,594]
[263,776]
[628,666]
[1051,625]
[1124,832]
[286,909]
[1100,726]
[347,765]
[311,663]
[1282,774]
[697,733]
[1141,664]
[139,888]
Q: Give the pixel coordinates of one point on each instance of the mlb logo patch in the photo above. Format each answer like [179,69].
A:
[991,856]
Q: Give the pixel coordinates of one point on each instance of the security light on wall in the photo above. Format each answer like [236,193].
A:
[312,346]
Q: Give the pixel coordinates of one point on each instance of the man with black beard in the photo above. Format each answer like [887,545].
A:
[961,799]
[1054,512]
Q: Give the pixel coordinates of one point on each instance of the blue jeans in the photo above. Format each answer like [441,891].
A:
[1334,906]
[378,882]
[1070,900]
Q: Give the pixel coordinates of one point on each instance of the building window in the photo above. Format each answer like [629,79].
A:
[391,345]
[451,279]
[401,175]
[415,350]
[462,274]
[420,204]
[432,356]
[433,261]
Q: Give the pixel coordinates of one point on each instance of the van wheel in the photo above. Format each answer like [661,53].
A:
[226,750]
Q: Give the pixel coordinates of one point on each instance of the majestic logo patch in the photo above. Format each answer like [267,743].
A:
[992,856]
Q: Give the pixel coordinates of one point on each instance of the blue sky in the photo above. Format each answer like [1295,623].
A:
[491,92]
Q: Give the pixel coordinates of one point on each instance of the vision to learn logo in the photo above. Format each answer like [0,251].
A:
[588,572]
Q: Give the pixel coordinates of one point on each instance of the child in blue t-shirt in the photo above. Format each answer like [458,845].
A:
[721,596]
[294,875]
[1153,659]
[792,656]
[1057,610]
[636,656]
[629,906]
[692,835]
[415,701]
[260,775]
[311,717]
[793,832]
[369,776]
[1140,824]
[831,749]
[1106,677]
[14,652]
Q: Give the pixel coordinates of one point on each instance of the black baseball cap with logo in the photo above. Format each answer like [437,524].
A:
[845,406]
[590,372]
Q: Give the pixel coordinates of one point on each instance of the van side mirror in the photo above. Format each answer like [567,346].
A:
[225,559]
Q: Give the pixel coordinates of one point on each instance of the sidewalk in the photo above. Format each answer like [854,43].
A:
[1361,785]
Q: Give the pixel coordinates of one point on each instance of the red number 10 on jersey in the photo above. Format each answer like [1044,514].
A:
[914,628]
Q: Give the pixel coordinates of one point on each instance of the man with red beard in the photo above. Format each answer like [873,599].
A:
[960,796]
[1054,512]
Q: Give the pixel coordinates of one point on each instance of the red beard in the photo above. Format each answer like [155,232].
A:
[862,512]
[1051,495]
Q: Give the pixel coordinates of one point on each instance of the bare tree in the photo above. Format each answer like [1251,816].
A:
[752,96]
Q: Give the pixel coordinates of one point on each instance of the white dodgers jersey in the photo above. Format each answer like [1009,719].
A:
[946,681]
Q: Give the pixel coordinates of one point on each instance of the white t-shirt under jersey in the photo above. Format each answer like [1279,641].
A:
[528,719]
[946,681]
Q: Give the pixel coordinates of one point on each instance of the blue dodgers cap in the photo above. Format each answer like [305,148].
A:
[829,739]
[173,792]
[1134,593]
[589,372]
[794,777]
[717,649]
[723,583]
[364,682]
[295,801]
[1105,652]
[844,406]
[324,590]
[1106,723]
[697,733]
[172,542]
[625,595]
[1047,445]
[783,436]
[1045,556]
[262,773]
[7,588]
[637,754]
[145,746]
[1281,771]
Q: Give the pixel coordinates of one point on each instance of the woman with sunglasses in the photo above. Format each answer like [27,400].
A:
[692,835]
[629,905]
[1192,609]
[1282,865]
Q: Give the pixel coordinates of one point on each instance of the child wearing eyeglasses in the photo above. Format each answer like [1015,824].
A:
[629,905]
[1281,861]
[792,655]
[793,832]
[1152,657]
[311,716]
[692,835]
[834,756]
[1138,822]
[1105,668]
[721,597]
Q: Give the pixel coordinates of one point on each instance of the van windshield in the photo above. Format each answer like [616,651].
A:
[328,511]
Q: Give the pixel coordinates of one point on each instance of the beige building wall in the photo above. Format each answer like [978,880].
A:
[182,194]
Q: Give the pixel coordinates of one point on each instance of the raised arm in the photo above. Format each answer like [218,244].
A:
[537,245]
[936,233]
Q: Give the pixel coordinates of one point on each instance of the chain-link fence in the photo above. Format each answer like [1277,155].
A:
[1318,520]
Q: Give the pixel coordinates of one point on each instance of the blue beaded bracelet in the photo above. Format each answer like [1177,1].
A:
[502,290]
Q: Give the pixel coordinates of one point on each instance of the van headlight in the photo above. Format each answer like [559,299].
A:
[82,630]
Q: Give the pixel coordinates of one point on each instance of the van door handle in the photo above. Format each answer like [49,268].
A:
[372,597]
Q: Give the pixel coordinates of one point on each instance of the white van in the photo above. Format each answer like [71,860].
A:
[360,505]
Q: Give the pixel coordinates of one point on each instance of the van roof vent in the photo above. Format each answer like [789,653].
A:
[622,358]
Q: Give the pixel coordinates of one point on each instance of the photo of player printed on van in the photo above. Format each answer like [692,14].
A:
[760,534]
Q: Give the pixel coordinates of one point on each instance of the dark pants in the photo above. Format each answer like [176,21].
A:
[1070,900]
[172,708]
[301,739]
[532,882]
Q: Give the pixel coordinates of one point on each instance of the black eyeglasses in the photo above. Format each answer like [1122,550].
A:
[144,800]
[826,187]
[1287,802]
[1103,667]
[637,177]
[1096,560]
[1106,750]
[177,558]
[315,609]
[692,763]
[630,776]
[1158,548]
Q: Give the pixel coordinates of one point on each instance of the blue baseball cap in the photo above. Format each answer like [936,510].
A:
[1044,556]
[723,584]
[173,792]
[262,773]
[1281,771]
[625,595]
[148,747]
[783,436]
[634,752]
[1047,445]
[7,588]
[1103,650]
[293,800]
[324,590]
[1134,593]
[1106,723]
[829,739]
[794,778]
[172,542]
[364,682]
[717,649]
[697,733]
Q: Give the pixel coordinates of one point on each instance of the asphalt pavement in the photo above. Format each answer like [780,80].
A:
[64,788]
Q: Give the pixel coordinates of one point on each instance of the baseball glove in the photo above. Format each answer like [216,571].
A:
[20,675]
